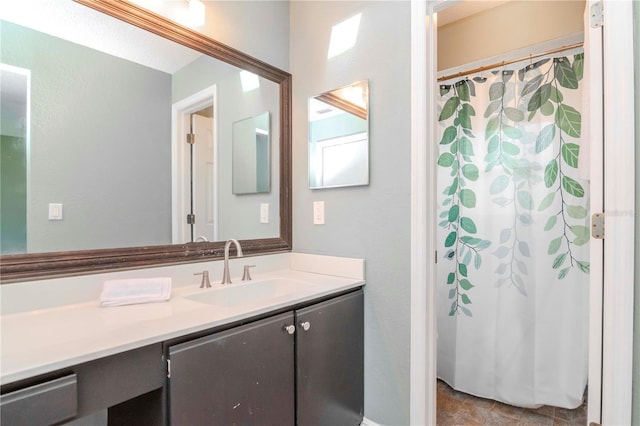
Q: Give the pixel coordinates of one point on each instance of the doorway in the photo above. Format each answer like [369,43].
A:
[513,235]
[194,165]
[617,306]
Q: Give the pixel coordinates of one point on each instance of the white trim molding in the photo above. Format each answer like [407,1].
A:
[619,203]
[422,353]
[593,133]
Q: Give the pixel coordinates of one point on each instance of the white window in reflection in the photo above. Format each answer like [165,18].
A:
[249,81]
[344,36]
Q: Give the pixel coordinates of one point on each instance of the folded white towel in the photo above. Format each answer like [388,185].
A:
[141,290]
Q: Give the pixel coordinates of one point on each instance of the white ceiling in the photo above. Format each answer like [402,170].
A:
[466,8]
[83,25]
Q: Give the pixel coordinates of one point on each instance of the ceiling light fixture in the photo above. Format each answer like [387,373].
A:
[150,4]
[196,13]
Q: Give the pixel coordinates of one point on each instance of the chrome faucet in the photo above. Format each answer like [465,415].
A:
[226,278]
[205,279]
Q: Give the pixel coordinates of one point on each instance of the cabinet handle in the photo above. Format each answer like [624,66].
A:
[290,329]
[305,325]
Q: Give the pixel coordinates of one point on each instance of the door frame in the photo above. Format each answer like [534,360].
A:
[180,166]
[618,161]
[619,208]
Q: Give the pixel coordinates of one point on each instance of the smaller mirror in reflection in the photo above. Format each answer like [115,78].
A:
[250,155]
[339,137]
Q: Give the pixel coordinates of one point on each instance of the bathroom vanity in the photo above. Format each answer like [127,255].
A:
[286,348]
[303,366]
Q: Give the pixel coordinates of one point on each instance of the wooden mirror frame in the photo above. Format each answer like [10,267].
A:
[24,267]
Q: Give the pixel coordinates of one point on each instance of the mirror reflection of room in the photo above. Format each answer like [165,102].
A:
[250,156]
[100,133]
[339,137]
[14,106]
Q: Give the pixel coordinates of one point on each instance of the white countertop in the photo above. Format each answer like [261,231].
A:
[45,340]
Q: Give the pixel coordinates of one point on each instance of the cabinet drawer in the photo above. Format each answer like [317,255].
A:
[43,404]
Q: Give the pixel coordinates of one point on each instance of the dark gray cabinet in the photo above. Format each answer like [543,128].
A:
[128,384]
[270,373]
[42,404]
[330,362]
[242,376]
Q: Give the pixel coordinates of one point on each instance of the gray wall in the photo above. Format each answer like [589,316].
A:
[636,327]
[259,28]
[239,215]
[370,222]
[100,138]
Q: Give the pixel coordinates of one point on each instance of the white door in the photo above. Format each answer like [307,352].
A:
[203,178]
[593,79]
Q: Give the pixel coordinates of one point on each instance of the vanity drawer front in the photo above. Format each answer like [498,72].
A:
[43,404]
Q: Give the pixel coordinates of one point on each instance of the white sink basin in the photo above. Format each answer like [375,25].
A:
[246,293]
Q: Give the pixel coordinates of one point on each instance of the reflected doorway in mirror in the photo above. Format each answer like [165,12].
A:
[194,181]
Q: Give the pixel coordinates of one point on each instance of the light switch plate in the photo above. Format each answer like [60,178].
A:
[318,212]
[264,212]
[55,211]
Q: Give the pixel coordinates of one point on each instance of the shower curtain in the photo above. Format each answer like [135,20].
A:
[513,256]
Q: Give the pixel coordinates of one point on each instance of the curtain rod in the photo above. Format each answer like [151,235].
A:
[513,61]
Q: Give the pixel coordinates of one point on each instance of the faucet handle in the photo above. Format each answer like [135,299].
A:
[205,279]
[246,275]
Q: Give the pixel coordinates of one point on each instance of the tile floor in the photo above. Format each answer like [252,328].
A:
[457,408]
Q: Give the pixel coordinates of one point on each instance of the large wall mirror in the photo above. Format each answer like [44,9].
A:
[92,156]
[339,137]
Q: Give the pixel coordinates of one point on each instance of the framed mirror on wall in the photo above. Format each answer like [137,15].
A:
[123,172]
[339,137]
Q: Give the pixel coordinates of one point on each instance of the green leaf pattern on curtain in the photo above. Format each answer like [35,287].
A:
[512,162]
[462,245]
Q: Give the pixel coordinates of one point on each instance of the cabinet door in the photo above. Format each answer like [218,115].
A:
[242,376]
[330,362]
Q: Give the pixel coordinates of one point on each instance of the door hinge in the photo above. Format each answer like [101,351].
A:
[168,369]
[191,138]
[597,226]
[596,14]
[435,256]
[191,219]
